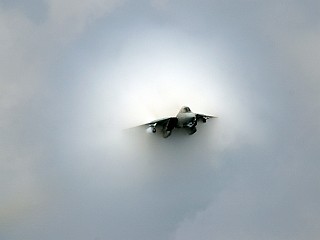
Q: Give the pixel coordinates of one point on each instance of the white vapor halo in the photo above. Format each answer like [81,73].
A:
[158,73]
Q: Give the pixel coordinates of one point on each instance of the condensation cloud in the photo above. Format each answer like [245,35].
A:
[74,77]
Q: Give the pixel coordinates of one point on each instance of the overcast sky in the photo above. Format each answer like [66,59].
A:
[74,74]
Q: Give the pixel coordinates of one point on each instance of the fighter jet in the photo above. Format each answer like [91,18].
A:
[185,119]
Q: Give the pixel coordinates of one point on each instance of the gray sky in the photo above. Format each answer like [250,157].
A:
[75,73]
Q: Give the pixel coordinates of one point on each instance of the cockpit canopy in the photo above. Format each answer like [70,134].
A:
[185,109]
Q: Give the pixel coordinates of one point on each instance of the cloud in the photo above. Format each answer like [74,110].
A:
[72,82]
[26,57]
[67,20]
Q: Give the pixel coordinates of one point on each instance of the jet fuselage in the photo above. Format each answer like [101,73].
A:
[186,119]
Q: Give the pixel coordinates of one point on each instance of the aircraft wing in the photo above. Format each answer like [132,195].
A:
[203,117]
[162,122]
[158,122]
[165,124]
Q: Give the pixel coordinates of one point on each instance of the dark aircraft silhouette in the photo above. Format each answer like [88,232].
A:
[184,119]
